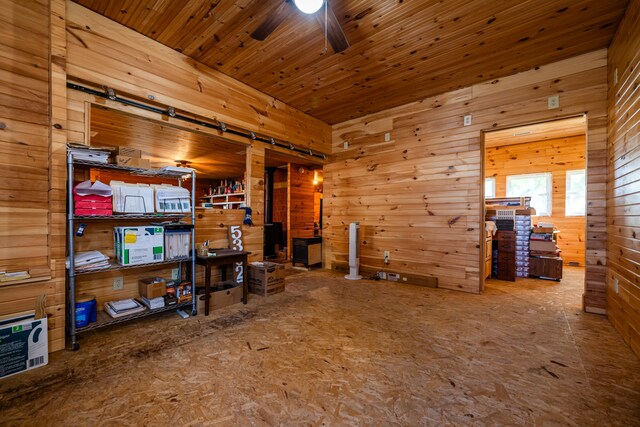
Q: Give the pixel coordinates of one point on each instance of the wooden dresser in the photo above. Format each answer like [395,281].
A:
[546,267]
[506,255]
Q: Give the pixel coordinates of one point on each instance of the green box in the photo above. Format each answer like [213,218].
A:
[138,245]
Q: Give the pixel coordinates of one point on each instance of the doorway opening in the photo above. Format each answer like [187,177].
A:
[535,200]
[293,209]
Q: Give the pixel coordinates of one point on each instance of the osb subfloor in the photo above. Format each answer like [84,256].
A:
[333,352]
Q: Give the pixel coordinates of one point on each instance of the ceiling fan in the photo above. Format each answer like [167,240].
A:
[333,31]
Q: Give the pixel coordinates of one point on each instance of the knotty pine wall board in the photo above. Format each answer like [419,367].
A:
[418,194]
[280,198]
[301,201]
[30,65]
[623,191]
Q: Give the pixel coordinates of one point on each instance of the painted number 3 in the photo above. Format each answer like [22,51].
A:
[236,241]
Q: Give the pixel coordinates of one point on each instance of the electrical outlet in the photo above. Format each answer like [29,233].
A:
[387,137]
[345,145]
[615,285]
[118,283]
[387,257]
[467,120]
[382,275]
[175,273]
[553,102]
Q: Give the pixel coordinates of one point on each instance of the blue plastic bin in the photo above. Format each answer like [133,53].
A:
[86,310]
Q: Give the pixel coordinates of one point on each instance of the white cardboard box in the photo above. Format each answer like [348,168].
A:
[24,344]
[138,245]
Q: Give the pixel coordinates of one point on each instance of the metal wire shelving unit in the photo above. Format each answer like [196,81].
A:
[103,318]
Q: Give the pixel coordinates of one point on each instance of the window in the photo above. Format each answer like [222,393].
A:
[489,188]
[537,186]
[575,202]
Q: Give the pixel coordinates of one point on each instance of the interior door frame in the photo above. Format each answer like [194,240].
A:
[483,133]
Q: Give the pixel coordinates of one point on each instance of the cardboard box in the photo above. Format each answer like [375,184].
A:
[222,297]
[152,287]
[129,152]
[266,278]
[133,162]
[138,245]
[542,245]
[23,344]
[542,230]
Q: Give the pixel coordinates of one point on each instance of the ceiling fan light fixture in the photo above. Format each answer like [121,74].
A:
[309,6]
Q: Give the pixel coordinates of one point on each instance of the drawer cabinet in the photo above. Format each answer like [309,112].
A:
[506,246]
[546,267]
[506,255]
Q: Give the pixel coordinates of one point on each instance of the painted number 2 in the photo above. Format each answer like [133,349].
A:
[235,232]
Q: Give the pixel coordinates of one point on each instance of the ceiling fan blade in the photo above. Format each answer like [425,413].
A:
[273,20]
[335,35]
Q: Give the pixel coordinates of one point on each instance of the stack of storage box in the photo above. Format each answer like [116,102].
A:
[497,210]
[523,231]
[545,261]
[92,199]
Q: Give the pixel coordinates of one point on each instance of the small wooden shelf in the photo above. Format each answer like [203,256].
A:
[23,281]
[217,196]
[229,200]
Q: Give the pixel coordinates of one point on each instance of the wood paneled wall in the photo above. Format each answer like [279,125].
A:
[29,36]
[213,225]
[556,156]
[301,201]
[24,135]
[417,195]
[624,179]
[280,197]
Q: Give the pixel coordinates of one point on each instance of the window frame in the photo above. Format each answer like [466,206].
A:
[492,180]
[549,184]
[568,175]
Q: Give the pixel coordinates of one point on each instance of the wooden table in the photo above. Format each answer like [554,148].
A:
[223,258]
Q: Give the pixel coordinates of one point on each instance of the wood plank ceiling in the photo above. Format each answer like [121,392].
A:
[401,51]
